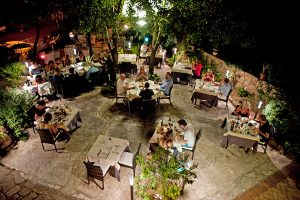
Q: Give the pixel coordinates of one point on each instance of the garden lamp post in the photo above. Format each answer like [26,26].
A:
[131,181]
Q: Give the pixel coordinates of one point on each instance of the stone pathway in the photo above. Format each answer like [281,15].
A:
[221,173]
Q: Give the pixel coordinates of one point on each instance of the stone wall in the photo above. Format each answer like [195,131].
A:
[241,79]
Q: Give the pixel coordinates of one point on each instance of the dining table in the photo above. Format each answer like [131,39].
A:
[205,91]
[162,127]
[65,116]
[182,71]
[240,131]
[108,151]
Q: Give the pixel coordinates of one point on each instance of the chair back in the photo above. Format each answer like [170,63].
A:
[171,90]
[46,136]
[94,171]
[198,136]
[227,97]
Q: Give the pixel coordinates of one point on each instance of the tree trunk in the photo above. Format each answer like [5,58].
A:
[36,41]
[156,42]
[89,43]
[113,48]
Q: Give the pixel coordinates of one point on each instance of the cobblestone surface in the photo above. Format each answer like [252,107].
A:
[28,172]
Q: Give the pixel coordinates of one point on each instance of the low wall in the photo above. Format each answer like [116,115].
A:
[241,79]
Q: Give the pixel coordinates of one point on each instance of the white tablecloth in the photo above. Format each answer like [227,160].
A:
[180,68]
[107,151]
[206,88]
[127,58]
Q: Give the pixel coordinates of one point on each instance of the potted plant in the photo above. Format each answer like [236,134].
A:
[164,176]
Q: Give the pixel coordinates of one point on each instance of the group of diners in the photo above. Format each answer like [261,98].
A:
[123,86]
[242,110]
[43,120]
[173,137]
[63,78]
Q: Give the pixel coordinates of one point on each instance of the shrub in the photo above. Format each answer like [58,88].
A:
[14,106]
[242,92]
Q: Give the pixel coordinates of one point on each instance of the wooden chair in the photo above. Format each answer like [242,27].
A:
[47,137]
[128,159]
[264,145]
[167,97]
[227,97]
[147,106]
[198,135]
[96,172]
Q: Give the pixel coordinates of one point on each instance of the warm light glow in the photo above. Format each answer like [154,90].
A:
[141,22]
[42,56]
[259,104]
[129,45]
[131,180]
[126,26]
[175,50]
[71,35]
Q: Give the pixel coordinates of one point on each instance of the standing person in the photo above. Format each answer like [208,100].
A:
[142,74]
[196,69]
[189,137]
[122,85]
[263,128]
[81,57]
[165,87]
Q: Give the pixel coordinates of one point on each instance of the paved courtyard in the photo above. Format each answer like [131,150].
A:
[221,173]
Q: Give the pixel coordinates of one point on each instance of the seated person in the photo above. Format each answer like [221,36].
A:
[224,87]
[122,86]
[242,109]
[142,74]
[166,141]
[58,77]
[144,49]
[209,76]
[39,79]
[146,93]
[264,128]
[50,67]
[189,136]
[37,111]
[165,87]
[53,127]
[196,69]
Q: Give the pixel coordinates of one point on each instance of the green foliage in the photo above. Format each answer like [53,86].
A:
[154,77]
[171,60]
[121,51]
[11,73]
[242,92]
[160,175]
[14,106]
[135,50]
[108,90]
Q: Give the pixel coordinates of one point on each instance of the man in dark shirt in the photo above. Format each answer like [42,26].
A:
[264,128]
[146,93]
[37,110]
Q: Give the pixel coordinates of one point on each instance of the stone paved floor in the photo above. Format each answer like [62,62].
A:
[222,173]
